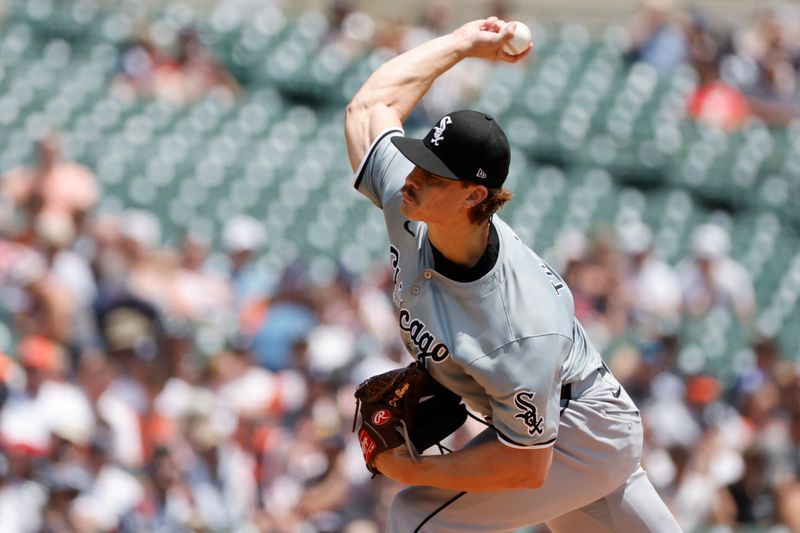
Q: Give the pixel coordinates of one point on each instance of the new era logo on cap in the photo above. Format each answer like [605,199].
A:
[463,145]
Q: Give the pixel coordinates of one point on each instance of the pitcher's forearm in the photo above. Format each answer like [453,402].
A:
[394,89]
[400,83]
[465,469]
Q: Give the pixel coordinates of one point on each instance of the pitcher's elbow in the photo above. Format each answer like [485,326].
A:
[355,107]
[536,480]
[536,476]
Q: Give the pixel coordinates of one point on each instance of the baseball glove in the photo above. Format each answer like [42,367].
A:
[405,406]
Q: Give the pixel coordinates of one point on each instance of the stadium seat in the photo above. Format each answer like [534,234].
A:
[596,143]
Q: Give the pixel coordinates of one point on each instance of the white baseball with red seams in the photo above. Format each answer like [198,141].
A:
[519,43]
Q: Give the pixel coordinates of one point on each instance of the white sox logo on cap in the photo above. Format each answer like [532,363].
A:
[381,417]
[438,131]
[476,149]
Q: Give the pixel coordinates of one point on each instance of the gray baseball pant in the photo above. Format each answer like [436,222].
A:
[595,483]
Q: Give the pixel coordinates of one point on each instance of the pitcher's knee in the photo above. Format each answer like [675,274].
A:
[415,506]
[401,512]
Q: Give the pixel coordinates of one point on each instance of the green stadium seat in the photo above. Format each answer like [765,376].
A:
[595,142]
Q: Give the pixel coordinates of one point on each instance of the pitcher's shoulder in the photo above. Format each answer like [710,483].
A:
[536,296]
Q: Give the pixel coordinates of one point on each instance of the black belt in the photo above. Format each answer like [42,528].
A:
[566,391]
[566,388]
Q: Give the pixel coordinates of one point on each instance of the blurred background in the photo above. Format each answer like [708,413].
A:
[190,289]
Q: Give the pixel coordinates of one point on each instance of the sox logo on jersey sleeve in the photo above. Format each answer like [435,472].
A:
[529,415]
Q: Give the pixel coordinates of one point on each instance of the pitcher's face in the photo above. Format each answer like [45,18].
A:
[428,198]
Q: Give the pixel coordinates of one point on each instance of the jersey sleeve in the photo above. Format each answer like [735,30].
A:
[383,170]
[523,382]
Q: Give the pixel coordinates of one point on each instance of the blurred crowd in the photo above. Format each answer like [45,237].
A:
[162,387]
[744,69]
[191,72]
[722,453]
[752,70]
[151,388]
[159,386]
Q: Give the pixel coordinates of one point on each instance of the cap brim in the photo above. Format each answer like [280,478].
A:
[415,151]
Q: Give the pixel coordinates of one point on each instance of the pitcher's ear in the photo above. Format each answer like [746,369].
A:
[476,196]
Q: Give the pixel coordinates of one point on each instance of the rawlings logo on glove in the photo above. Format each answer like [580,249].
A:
[391,413]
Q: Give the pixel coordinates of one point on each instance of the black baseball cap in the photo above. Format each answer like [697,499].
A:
[463,145]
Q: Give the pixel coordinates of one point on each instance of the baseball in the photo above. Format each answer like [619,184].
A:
[519,43]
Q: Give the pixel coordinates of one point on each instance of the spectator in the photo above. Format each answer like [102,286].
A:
[156,275]
[167,504]
[48,403]
[22,496]
[711,279]
[143,68]
[651,285]
[289,319]
[64,482]
[117,400]
[33,298]
[54,183]
[352,31]
[243,239]
[794,453]
[765,65]
[693,495]
[754,499]
[656,37]
[8,374]
[201,296]
[714,102]
[770,45]
[113,492]
[596,287]
[220,476]
[200,73]
[767,354]
[642,369]
[55,235]
[190,75]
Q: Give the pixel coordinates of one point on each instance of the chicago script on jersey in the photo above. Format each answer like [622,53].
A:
[423,339]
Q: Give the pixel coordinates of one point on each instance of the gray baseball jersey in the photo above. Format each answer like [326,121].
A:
[506,343]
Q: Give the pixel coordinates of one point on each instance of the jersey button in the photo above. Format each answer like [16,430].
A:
[427,275]
[415,290]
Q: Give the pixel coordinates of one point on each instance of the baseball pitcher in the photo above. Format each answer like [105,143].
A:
[491,322]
